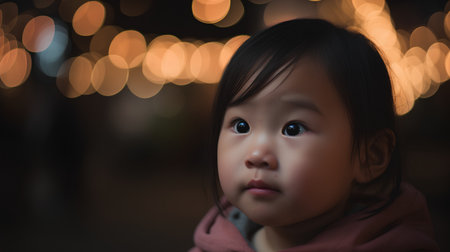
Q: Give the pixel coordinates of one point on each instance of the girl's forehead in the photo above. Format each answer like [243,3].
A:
[306,77]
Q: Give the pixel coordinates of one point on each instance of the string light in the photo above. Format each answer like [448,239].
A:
[419,61]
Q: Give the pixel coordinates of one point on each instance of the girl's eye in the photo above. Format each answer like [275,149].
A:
[240,126]
[293,129]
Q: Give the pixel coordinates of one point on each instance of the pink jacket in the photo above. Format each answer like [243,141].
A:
[405,225]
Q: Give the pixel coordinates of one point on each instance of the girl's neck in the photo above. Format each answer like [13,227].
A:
[271,238]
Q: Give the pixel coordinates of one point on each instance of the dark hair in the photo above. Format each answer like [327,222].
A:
[353,63]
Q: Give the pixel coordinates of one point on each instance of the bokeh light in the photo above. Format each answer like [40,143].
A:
[345,17]
[131,46]
[140,86]
[50,60]
[210,11]
[15,67]
[436,24]
[62,80]
[368,8]
[185,76]
[235,14]
[205,64]
[447,63]
[93,57]
[435,62]
[88,18]
[152,64]
[107,77]
[447,24]
[80,74]
[38,33]
[422,37]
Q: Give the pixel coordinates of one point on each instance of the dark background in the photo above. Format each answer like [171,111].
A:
[128,174]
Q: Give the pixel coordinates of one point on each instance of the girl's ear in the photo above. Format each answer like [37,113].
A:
[374,156]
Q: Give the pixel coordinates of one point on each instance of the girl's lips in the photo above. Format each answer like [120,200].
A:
[261,188]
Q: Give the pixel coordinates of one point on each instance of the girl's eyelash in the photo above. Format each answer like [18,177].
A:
[234,121]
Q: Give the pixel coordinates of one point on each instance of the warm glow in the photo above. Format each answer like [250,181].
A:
[173,61]
[230,48]
[38,34]
[42,4]
[380,31]
[93,57]
[280,11]
[404,98]
[186,76]
[235,14]
[403,39]
[447,24]
[102,39]
[107,78]
[88,18]
[343,17]
[140,86]
[205,64]
[152,64]
[15,67]
[414,66]
[131,46]
[80,74]
[210,11]
[435,62]
[62,80]
[447,63]
[133,8]
[368,8]
[422,37]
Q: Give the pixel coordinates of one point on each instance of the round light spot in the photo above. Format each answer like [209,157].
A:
[108,78]
[88,18]
[422,37]
[131,46]
[211,11]
[140,86]
[38,33]
[15,67]
[80,74]
[152,64]
[205,64]
[235,14]
[62,80]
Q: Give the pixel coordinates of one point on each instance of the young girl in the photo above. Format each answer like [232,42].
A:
[306,153]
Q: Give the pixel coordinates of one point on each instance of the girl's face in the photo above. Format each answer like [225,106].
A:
[285,155]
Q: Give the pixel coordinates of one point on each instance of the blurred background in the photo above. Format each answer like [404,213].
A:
[105,111]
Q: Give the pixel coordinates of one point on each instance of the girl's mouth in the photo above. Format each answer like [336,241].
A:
[260,188]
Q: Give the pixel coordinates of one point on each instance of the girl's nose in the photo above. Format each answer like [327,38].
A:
[261,158]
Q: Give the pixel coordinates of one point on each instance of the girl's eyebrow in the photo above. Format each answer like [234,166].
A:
[301,102]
